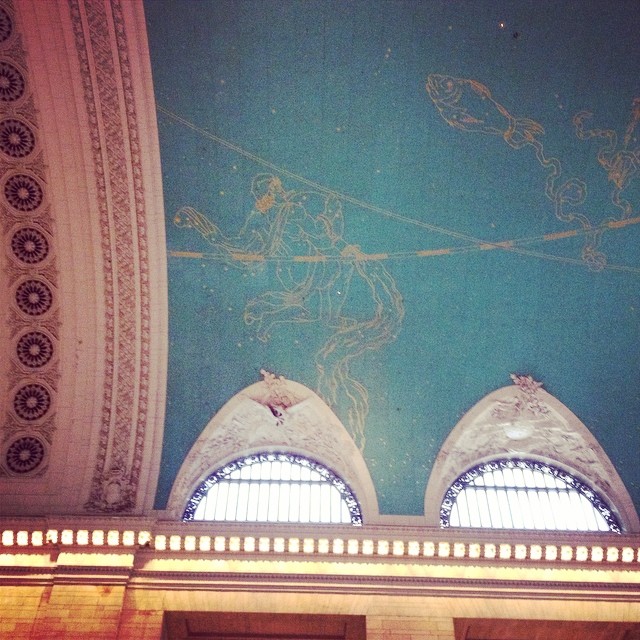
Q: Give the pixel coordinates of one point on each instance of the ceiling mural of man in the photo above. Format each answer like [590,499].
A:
[313,271]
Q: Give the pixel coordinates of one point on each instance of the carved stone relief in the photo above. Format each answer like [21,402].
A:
[102,47]
[525,421]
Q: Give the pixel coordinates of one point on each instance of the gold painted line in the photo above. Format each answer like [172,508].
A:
[486,246]
[617,224]
[310,258]
[373,256]
[247,257]
[186,254]
[433,252]
[315,185]
[560,235]
[475,242]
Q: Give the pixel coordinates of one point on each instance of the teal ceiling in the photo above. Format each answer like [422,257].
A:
[336,176]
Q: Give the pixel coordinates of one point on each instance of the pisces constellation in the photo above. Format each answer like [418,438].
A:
[468,105]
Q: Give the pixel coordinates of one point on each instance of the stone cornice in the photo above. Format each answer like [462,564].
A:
[153,554]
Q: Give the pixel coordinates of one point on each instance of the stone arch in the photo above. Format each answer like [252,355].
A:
[523,420]
[275,415]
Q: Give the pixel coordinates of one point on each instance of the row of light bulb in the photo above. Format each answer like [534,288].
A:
[322,546]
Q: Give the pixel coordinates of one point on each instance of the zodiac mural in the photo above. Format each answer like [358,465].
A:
[621,164]
[468,105]
[320,278]
[300,235]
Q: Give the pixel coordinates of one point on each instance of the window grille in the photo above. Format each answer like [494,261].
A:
[274,487]
[524,494]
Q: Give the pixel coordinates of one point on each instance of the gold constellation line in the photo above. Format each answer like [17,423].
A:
[507,245]
[514,246]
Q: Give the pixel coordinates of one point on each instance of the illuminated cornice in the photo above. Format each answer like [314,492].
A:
[422,561]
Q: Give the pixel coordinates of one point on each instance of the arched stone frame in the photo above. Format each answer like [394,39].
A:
[89,100]
[523,420]
[272,416]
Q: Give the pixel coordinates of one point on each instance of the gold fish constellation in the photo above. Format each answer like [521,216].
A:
[468,105]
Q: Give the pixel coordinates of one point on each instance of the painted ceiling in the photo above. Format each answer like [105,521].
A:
[398,205]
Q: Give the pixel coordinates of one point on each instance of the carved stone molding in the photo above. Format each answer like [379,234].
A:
[110,45]
[275,414]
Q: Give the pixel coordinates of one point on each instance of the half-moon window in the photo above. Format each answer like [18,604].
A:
[274,487]
[524,494]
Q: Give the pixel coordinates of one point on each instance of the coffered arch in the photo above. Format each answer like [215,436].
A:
[85,253]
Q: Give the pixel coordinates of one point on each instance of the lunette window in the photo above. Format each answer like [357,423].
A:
[524,494]
[274,487]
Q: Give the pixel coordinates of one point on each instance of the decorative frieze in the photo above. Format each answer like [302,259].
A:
[102,49]
[27,231]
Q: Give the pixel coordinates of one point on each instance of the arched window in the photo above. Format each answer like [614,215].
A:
[274,487]
[279,439]
[524,494]
[520,459]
